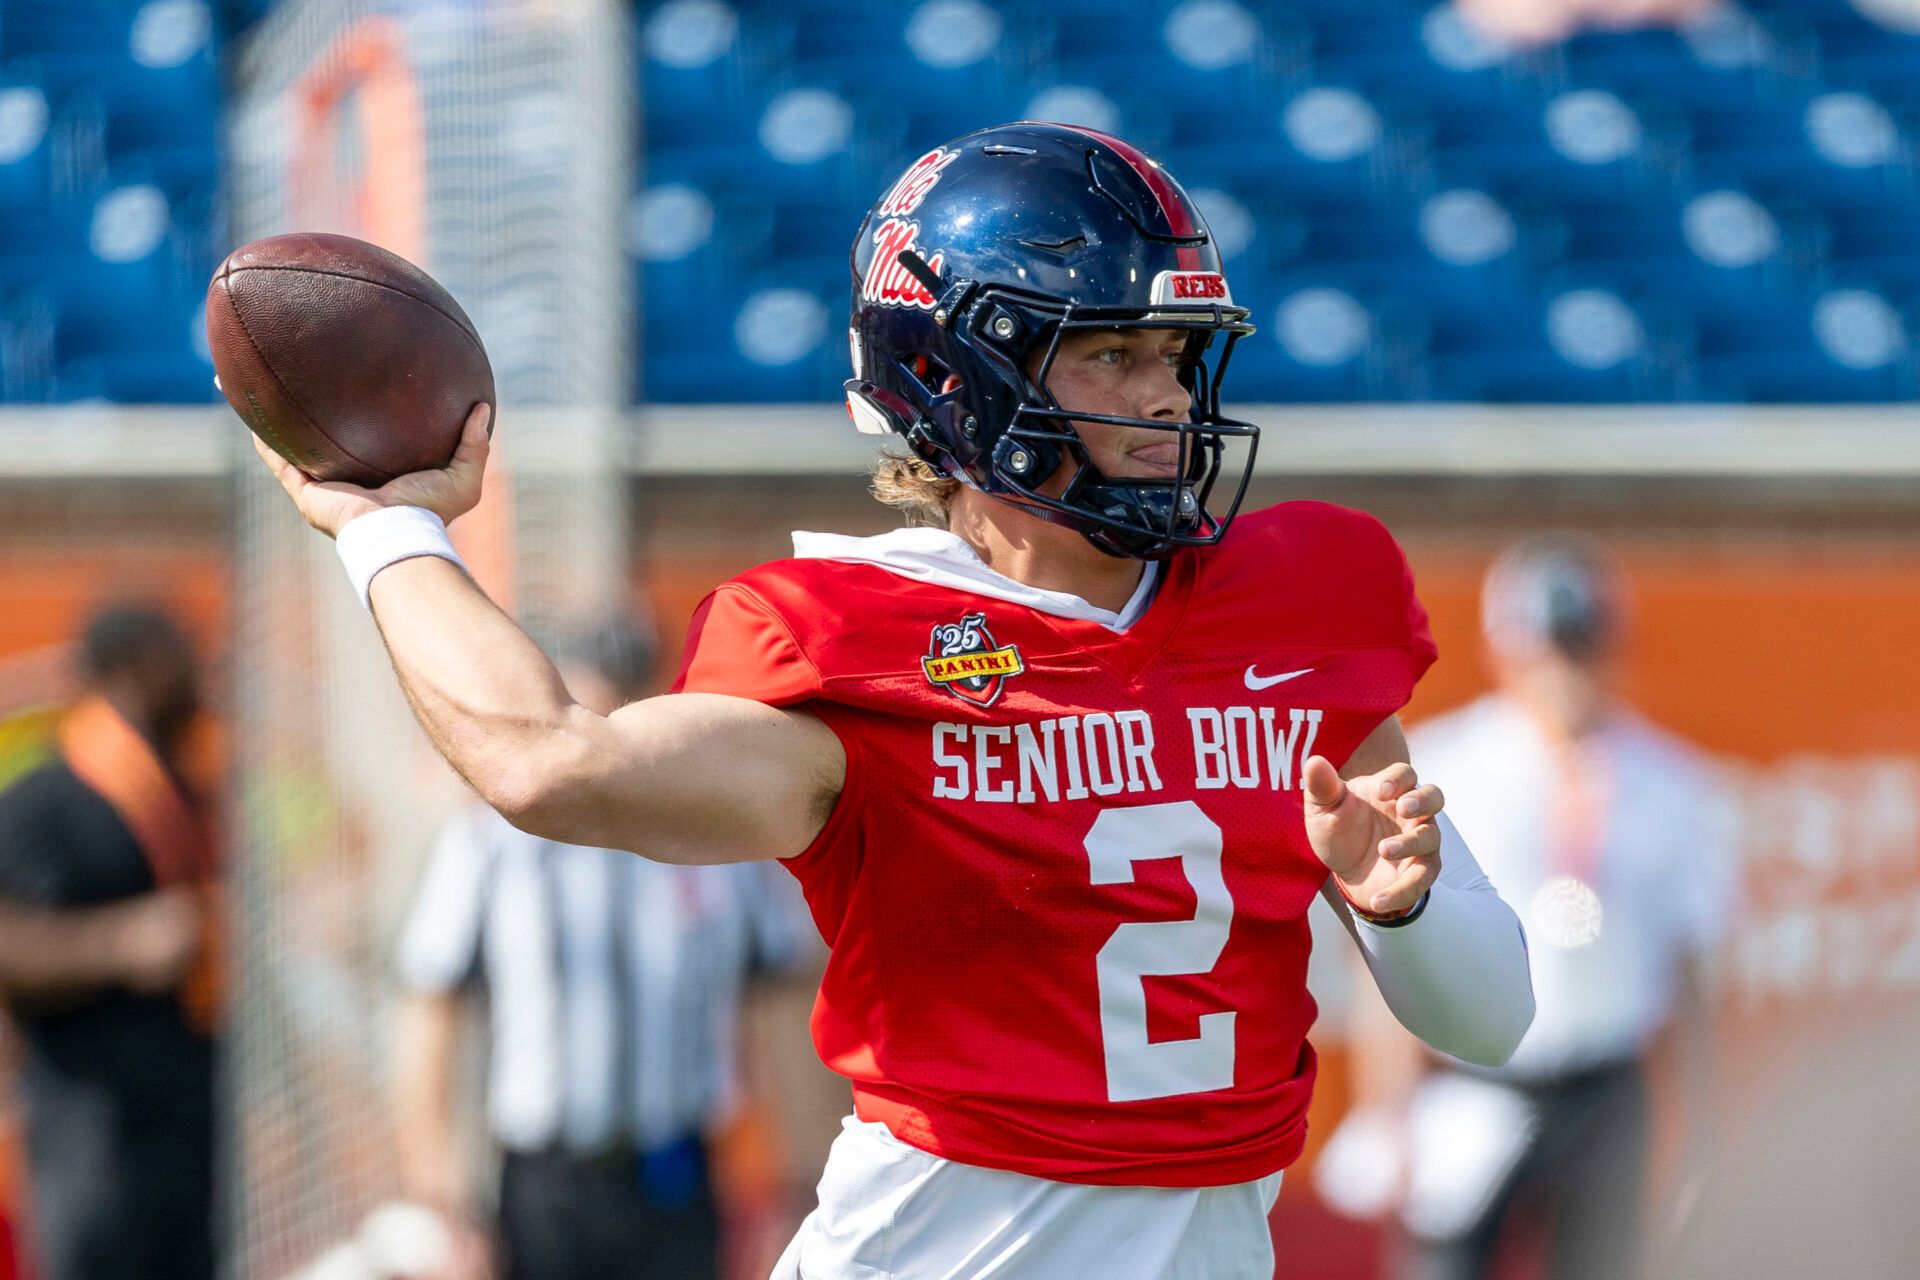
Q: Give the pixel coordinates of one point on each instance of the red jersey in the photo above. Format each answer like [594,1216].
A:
[1066,884]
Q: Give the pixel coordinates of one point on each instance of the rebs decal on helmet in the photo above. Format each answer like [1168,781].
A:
[1190,286]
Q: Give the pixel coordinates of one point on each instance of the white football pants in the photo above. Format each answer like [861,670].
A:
[889,1211]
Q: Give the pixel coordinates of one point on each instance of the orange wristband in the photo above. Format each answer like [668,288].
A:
[1389,919]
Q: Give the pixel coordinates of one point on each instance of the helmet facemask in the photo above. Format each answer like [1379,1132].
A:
[1137,516]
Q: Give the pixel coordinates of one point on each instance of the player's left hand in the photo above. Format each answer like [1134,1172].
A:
[1376,833]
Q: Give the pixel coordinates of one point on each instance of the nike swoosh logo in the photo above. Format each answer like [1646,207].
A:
[1267,682]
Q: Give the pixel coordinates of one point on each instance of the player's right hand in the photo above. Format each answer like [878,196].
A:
[448,492]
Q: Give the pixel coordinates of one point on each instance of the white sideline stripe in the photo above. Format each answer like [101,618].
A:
[101,442]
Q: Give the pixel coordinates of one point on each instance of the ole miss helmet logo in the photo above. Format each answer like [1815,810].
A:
[889,283]
[922,176]
[966,661]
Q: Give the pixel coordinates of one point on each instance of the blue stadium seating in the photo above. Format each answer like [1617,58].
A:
[1250,151]
[1334,131]
[1337,125]
[1498,346]
[1875,242]
[26,155]
[1383,50]
[111,213]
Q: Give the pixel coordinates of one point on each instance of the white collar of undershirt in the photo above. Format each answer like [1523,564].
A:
[945,559]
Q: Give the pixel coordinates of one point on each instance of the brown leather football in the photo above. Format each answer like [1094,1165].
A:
[348,360]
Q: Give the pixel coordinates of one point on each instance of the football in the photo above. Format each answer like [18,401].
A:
[349,361]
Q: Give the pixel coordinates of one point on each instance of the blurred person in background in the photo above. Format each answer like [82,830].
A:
[1608,835]
[107,871]
[614,987]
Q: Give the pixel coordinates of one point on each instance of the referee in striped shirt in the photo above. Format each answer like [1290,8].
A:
[613,987]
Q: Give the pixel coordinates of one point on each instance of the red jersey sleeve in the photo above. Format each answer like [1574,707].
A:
[1421,650]
[1330,574]
[738,645]
[1376,588]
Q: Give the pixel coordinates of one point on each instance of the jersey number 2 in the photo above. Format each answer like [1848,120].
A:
[1136,1067]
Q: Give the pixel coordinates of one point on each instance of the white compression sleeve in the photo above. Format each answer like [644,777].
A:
[1457,977]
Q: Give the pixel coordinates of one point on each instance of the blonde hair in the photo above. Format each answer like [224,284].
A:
[912,487]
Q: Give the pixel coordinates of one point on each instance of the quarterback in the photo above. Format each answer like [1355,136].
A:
[1060,769]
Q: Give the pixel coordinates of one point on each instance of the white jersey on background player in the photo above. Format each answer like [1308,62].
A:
[1613,840]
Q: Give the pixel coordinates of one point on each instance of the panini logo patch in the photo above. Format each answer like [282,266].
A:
[964,659]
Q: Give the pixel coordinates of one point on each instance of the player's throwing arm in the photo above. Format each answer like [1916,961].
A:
[680,778]
[370,397]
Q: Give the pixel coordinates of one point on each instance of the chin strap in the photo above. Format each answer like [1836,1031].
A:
[1148,506]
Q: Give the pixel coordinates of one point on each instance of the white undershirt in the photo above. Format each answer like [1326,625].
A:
[945,559]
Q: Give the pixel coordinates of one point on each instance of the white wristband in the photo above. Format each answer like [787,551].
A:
[369,543]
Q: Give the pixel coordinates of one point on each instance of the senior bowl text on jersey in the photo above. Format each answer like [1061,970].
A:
[1106,755]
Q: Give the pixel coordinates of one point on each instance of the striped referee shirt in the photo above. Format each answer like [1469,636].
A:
[613,982]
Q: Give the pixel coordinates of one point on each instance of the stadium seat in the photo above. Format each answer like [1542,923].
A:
[928,123]
[1797,375]
[189,90]
[1367,244]
[141,116]
[1875,242]
[1414,198]
[26,354]
[27,126]
[1854,52]
[1561,344]
[1410,53]
[1136,54]
[889,51]
[692,66]
[1655,66]
[1761,145]
[48,26]
[1638,243]
[119,345]
[135,376]
[804,234]
[1323,337]
[1321,143]
[1575,144]
[1262,372]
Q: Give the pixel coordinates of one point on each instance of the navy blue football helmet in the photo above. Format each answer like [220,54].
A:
[993,248]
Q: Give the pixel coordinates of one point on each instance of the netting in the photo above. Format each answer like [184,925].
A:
[489,142]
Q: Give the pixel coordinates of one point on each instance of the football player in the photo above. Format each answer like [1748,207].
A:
[1060,776]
